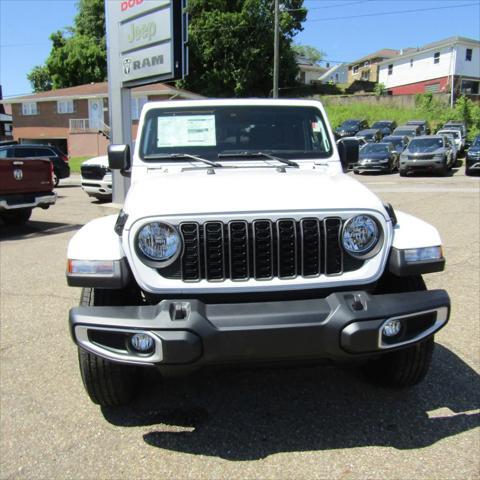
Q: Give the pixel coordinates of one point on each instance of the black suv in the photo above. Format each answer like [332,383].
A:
[59,160]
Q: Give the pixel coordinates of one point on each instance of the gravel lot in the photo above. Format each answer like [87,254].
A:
[320,422]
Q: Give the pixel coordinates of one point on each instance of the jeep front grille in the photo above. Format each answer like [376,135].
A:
[262,249]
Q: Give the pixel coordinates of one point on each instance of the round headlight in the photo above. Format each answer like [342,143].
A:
[159,242]
[360,235]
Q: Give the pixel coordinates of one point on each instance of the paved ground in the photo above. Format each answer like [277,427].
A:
[298,423]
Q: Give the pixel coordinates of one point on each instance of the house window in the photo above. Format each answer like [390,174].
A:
[436,57]
[470,87]
[29,108]
[336,78]
[366,64]
[137,105]
[355,69]
[390,69]
[65,106]
[468,55]
[411,62]
[366,75]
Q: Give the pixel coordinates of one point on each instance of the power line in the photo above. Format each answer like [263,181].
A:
[379,14]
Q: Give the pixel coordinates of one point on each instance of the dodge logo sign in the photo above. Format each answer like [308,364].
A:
[127,63]
[17,174]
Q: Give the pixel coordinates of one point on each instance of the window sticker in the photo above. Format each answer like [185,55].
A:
[186,131]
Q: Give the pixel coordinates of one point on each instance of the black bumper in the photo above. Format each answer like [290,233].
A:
[342,327]
[373,167]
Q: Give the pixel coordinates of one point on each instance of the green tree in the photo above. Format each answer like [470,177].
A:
[380,89]
[310,53]
[78,53]
[231,46]
[40,79]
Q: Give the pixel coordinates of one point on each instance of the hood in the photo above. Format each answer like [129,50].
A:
[373,156]
[425,151]
[102,160]
[196,192]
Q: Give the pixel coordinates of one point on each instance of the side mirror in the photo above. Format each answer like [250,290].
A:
[348,151]
[119,157]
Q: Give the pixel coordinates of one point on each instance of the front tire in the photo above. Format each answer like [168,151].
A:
[406,367]
[107,383]
[402,368]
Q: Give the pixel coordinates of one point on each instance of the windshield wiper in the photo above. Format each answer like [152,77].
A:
[290,163]
[166,156]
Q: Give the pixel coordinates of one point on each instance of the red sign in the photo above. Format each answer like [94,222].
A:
[127,4]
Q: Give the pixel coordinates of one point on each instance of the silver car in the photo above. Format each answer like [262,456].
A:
[432,153]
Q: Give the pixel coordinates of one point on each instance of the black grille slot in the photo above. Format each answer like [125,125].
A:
[262,249]
[238,250]
[214,252]
[333,250]
[287,248]
[93,172]
[311,257]
[191,252]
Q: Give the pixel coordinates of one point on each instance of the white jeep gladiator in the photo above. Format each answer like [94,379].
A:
[242,241]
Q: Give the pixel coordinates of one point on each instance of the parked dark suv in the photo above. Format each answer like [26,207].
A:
[350,128]
[59,160]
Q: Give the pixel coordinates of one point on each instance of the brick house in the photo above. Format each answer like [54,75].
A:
[76,119]
[366,68]
[5,121]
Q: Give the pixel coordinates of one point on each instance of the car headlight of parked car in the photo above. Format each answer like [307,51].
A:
[159,243]
[360,235]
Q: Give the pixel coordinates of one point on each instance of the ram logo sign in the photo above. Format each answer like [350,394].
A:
[17,174]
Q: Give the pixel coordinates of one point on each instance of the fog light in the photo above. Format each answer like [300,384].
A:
[391,328]
[141,342]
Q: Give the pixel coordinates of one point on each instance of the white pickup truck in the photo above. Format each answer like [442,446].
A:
[242,241]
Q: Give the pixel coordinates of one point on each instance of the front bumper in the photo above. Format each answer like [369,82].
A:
[344,326]
[98,188]
[27,200]
[373,167]
[429,165]
[472,163]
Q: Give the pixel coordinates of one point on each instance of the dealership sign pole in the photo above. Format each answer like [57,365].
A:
[146,43]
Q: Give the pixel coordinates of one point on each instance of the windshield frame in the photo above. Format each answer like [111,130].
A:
[211,152]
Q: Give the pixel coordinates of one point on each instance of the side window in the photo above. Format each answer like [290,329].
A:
[3,153]
[44,152]
[24,152]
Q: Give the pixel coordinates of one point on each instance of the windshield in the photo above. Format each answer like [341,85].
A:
[292,132]
[349,124]
[425,144]
[381,125]
[394,141]
[476,142]
[375,148]
[405,131]
[453,133]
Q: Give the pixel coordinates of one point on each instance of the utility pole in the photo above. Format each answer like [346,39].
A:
[276,53]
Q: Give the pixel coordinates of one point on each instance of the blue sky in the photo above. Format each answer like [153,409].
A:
[25,27]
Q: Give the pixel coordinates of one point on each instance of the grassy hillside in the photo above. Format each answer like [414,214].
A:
[426,108]
[338,113]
